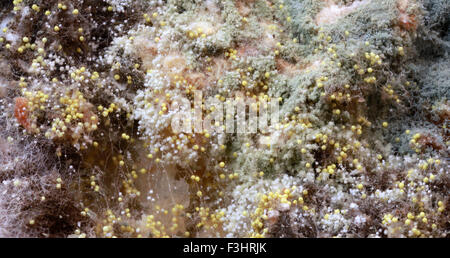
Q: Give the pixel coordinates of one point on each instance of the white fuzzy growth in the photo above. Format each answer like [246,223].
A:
[245,199]
[120,5]
[9,35]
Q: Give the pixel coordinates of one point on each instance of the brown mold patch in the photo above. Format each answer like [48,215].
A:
[406,20]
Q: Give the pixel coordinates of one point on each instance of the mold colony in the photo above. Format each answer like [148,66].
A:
[90,86]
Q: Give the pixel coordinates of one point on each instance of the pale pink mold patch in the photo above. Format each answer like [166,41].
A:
[332,12]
